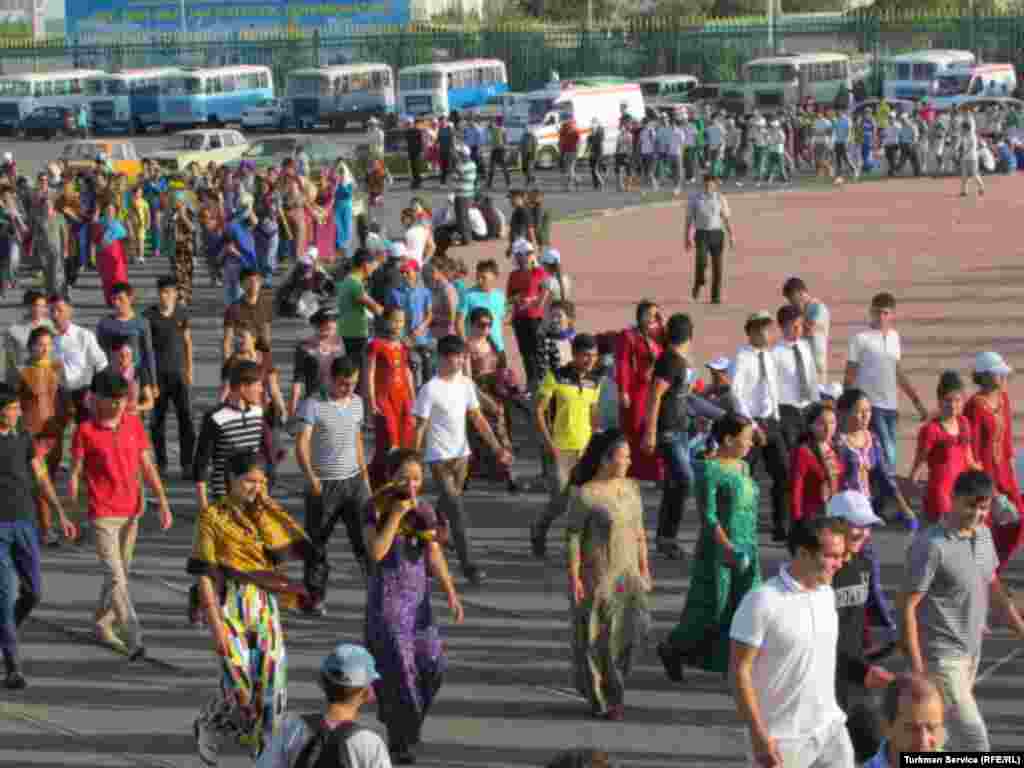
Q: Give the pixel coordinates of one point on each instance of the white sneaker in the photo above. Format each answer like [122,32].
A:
[208,741]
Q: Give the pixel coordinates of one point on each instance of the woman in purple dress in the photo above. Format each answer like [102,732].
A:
[403,538]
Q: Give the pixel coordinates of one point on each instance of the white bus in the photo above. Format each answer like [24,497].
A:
[455,85]
[786,81]
[22,94]
[129,100]
[960,84]
[915,75]
[336,95]
[214,96]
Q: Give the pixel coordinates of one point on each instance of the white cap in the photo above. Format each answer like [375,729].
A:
[522,247]
[8,157]
[551,256]
[720,364]
[853,507]
[991,362]
[312,253]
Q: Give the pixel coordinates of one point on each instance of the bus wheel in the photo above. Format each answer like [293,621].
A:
[547,158]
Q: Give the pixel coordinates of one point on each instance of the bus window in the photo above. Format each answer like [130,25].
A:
[375,80]
[924,72]
[216,142]
[904,71]
[229,83]
[344,85]
[386,78]
[977,84]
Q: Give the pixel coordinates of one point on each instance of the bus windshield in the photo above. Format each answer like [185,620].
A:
[771,73]
[952,85]
[307,85]
[651,89]
[15,89]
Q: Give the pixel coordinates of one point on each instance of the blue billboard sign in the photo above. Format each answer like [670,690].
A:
[106,17]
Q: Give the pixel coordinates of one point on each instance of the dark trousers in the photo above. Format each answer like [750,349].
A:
[596,169]
[892,158]
[173,392]
[343,500]
[528,163]
[862,721]
[674,448]
[355,346]
[909,152]
[775,456]
[450,478]
[793,424]
[21,583]
[415,169]
[709,242]
[445,161]
[498,157]
[527,330]
[462,219]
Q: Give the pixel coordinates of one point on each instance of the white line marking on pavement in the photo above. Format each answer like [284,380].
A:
[996,665]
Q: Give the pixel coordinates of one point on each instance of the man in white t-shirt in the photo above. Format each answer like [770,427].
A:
[442,407]
[419,243]
[817,322]
[873,366]
[346,678]
[783,667]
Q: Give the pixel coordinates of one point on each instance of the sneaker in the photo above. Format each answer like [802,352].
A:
[52,538]
[105,635]
[208,741]
[616,713]
[15,681]
[671,662]
[402,755]
[538,543]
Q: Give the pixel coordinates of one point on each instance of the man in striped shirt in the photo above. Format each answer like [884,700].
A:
[330,452]
[465,190]
[233,427]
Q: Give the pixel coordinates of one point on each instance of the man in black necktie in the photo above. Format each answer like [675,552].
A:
[796,373]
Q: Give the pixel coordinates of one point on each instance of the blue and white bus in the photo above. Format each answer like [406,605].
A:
[438,89]
[214,96]
[129,100]
[20,95]
[916,75]
[341,94]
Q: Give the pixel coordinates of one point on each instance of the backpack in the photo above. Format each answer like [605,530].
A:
[324,750]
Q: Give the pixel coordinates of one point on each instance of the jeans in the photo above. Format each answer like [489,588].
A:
[343,500]
[675,449]
[558,499]
[173,392]
[21,582]
[266,251]
[450,477]
[884,422]
[232,287]
[831,748]
[115,548]
[955,676]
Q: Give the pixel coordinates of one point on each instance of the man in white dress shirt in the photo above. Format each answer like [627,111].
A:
[77,350]
[797,375]
[755,392]
[817,322]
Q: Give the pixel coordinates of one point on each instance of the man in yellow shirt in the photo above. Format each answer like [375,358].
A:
[574,390]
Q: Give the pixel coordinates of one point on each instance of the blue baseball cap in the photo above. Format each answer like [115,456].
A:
[349,666]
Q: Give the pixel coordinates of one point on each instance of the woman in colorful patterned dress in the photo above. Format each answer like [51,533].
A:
[403,538]
[609,576]
[638,349]
[241,543]
[727,560]
[990,416]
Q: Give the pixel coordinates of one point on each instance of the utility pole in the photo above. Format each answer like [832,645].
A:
[771,25]
[182,23]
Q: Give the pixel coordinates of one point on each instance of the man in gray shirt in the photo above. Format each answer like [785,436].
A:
[951,570]
[707,214]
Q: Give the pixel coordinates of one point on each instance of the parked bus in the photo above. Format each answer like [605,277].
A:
[454,85]
[129,100]
[20,95]
[786,81]
[668,87]
[959,84]
[346,93]
[915,75]
[214,96]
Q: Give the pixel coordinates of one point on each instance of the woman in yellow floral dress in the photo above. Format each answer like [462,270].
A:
[608,573]
[240,545]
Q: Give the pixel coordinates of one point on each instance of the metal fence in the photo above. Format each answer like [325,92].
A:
[713,50]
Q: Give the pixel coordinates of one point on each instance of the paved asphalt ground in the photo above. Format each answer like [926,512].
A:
[508,698]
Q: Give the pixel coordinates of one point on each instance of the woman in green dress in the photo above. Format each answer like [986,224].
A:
[608,573]
[727,564]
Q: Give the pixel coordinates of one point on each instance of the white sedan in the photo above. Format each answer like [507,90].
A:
[269,114]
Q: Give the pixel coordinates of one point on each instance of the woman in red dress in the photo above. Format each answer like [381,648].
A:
[323,213]
[944,448]
[990,416]
[638,350]
[390,393]
[107,236]
[817,468]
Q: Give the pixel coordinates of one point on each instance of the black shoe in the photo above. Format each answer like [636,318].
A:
[671,662]
[15,681]
[513,487]
[474,575]
[186,474]
[138,654]
[538,543]
[779,535]
[402,756]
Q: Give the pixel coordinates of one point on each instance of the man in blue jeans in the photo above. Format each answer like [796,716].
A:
[20,580]
[669,410]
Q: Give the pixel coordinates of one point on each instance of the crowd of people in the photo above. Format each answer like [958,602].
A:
[405,348]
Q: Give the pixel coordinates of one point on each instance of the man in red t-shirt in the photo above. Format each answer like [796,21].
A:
[110,450]
[528,297]
[568,145]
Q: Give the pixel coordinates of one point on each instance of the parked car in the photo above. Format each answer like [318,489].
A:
[48,122]
[274,149]
[202,146]
[271,114]
[81,155]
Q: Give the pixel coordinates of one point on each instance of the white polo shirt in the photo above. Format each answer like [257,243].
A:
[794,674]
[877,356]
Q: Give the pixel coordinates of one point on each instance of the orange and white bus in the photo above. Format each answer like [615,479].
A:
[989,80]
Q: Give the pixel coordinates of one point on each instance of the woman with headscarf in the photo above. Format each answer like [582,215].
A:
[183,227]
[241,544]
[343,194]
[638,350]
[107,236]
[404,540]
[323,213]
[609,577]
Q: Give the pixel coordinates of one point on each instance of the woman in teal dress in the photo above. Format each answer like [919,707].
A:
[727,563]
